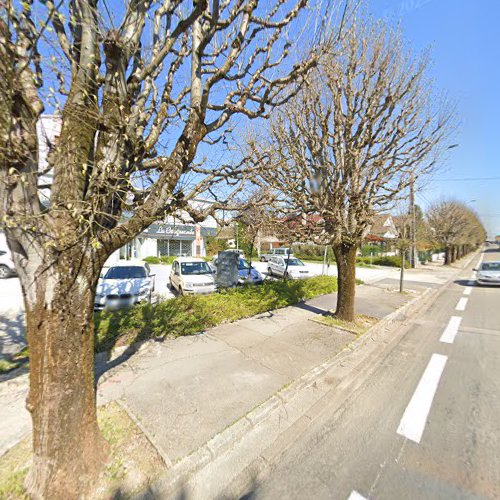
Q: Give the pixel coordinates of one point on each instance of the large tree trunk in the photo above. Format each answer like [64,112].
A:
[345,255]
[447,256]
[68,448]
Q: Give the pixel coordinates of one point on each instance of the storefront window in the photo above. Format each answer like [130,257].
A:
[176,248]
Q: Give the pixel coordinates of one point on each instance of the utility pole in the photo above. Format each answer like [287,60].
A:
[413,224]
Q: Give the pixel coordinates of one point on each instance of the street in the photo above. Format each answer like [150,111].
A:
[424,425]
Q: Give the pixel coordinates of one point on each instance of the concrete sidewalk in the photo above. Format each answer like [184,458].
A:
[185,391]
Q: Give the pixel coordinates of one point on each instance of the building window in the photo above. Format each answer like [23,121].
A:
[176,248]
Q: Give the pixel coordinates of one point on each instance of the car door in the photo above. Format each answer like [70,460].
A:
[280,266]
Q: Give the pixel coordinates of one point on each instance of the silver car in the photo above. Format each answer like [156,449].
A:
[488,273]
[7,268]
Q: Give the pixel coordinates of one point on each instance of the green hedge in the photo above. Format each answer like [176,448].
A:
[390,261]
[190,314]
[164,259]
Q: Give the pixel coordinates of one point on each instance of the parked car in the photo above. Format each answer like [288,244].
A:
[7,268]
[277,266]
[488,273]
[243,267]
[124,284]
[282,252]
[190,275]
[240,252]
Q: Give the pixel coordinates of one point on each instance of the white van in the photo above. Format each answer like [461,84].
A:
[276,252]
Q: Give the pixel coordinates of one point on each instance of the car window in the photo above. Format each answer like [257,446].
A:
[125,273]
[490,266]
[190,268]
[2,252]
[243,264]
[295,262]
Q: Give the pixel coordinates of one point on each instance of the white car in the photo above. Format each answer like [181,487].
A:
[124,284]
[190,275]
[276,252]
[277,266]
[7,267]
[488,273]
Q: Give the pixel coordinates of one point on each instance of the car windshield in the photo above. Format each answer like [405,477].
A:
[188,268]
[243,264]
[490,266]
[125,273]
[294,262]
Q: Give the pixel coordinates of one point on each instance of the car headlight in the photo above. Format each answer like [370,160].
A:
[143,294]
[189,285]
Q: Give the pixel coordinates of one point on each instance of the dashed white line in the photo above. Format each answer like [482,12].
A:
[462,304]
[451,330]
[413,422]
[467,290]
[356,496]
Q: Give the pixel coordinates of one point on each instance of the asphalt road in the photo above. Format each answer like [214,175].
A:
[426,425]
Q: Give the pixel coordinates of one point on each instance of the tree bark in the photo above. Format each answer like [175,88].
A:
[447,256]
[345,256]
[68,449]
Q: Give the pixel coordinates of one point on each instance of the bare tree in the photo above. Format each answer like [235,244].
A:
[137,89]
[456,228]
[347,145]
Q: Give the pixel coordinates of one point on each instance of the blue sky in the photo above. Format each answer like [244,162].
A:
[465,41]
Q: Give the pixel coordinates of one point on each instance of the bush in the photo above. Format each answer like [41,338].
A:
[390,261]
[190,314]
[152,260]
[367,250]
[167,259]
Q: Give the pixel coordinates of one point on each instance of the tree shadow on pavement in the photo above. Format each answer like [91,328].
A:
[12,334]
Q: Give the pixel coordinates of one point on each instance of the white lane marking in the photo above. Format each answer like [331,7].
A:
[451,330]
[415,416]
[462,304]
[356,496]
[467,290]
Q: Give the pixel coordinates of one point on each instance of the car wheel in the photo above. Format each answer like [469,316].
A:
[4,271]
[263,259]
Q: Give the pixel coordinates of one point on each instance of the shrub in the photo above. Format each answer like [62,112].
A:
[190,314]
[390,261]
[152,260]
[167,259]
[367,250]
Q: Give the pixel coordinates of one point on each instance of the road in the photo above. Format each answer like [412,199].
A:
[426,424]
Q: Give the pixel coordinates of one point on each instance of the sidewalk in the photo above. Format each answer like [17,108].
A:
[185,391]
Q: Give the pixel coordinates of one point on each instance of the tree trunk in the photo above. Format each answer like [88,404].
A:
[345,256]
[68,448]
[447,256]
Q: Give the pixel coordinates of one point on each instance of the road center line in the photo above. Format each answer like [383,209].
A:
[462,304]
[356,496]
[415,416]
[451,330]
[467,290]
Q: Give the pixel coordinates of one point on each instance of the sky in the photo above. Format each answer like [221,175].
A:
[465,41]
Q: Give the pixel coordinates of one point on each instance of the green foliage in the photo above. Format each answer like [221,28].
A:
[215,245]
[390,261]
[167,259]
[367,250]
[164,259]
[14,361]
[190,314]
[152,260]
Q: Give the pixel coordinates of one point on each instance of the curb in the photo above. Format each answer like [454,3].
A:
[232,458]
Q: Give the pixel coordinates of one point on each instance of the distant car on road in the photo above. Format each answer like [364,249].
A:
[124,284]
[7,268]
[488,273]
[243,267]
[282,252]
[191,275]
[277,266]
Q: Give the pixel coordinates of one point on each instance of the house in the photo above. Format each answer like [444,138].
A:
[383,228]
